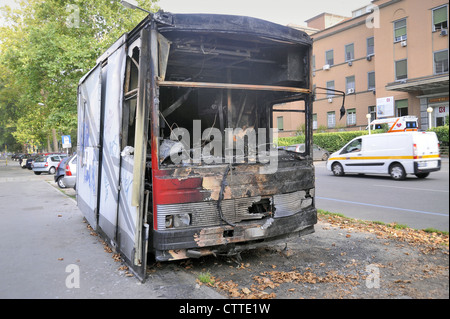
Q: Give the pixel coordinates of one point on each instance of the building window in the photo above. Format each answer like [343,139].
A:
[441,62]
[401,70]
[315,121]
[280,123]
[351,117]
[350,84]
[401,108]
[330,89]
[370,46]
[349,52]
[373,113]
[329,57]
[440,18]
[371,81]
[400,30]
[331,119]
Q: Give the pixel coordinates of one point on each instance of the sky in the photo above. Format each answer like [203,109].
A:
[278,11]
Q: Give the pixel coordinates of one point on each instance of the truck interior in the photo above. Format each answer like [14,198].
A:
[222,79]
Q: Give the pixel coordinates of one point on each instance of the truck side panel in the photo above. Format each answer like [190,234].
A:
[89,106]
[113,74]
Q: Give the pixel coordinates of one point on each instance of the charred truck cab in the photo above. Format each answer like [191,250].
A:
[176,151]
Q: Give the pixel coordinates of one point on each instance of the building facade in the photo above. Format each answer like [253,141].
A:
[390,58]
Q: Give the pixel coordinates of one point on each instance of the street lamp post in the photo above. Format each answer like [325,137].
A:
[429,110]
[368,116]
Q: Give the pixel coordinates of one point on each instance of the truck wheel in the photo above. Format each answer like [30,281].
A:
[397,172]
[337,169]
[422,175]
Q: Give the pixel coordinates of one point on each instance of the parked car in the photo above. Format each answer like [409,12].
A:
[319,153]
[23,160]
[30,160]
[70,177]
[60,172]
[47,163]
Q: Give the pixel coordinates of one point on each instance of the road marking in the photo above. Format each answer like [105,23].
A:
[416,189]
[381,206]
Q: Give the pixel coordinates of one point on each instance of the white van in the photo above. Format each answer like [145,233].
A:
[396,124]
[397,154]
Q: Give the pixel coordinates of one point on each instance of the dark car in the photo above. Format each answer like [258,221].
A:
[30,161]
[60,171]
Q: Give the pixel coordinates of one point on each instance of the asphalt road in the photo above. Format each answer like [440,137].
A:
[417,203]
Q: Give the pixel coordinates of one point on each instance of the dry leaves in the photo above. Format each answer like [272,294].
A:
[411,236]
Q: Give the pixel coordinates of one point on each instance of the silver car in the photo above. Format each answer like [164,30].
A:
[47,163]
[70,176]
[319,153]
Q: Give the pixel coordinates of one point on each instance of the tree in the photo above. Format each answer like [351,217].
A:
[45,48]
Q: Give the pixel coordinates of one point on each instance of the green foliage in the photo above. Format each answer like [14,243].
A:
[330,141]
[442,133]
[335,140]
[285,141]
[45,48]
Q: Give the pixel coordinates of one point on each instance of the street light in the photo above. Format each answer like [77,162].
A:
[132,4]
[368,116]
[429,110]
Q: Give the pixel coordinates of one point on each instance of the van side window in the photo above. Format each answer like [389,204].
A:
[354,146]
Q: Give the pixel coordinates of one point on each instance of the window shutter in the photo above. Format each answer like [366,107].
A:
[440,56]
[400,28]
[440,15]
[401,69]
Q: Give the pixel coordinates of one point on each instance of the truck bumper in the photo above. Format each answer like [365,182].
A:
[230,240]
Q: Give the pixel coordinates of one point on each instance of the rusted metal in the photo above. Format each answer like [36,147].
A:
[233,86]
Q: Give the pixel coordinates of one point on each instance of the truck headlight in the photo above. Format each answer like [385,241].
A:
[181,220]
[178,220]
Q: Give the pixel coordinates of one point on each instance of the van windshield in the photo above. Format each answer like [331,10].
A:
[354,146]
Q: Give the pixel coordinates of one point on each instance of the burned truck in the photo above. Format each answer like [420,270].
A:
[177,154]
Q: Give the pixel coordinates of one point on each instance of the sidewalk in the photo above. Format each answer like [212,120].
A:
[45,244]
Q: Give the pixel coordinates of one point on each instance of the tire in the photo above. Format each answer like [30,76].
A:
[52,170]
[337,169]
[324,157]
[60,182]
[422,175]
[397,172]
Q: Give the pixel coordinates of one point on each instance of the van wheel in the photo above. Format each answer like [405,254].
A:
[422,175]
[397,172]
[337,169]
